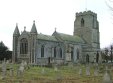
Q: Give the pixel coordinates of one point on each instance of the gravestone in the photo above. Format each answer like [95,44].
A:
[80,71]
[25,65]
[22,63]
[87,70]
[107,78]
[55,67]
[96,70]
[3,70]
[59,76]
[11,70]
[7,62]
[43,71]
[20,70]
[70,64]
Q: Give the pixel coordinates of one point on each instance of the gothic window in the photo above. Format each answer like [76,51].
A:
[60,52]
[77,54]
[97,57]
[82,22]
[23,46]
[71,53]
[87,58]
[42,51]
[55,52]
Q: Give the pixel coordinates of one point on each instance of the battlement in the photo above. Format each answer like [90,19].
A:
[86,13]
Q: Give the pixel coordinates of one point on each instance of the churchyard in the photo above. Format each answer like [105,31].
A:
[70,73]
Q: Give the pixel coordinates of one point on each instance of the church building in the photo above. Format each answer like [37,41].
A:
[59,48]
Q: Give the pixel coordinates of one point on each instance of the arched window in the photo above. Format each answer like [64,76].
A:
[60,52]
[42,51]
[77,54]
[72,54]
[87,58]
[23,46]
[55,52]
[97,57]
[82,22]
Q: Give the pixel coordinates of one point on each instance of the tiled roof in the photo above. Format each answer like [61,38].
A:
[70,38]
[46,37]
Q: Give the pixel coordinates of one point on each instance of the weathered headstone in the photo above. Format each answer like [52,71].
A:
[58,76]
[25,64]
[20,70]
[3,69]
[22,63]
[80,71]
[7,61]
[87,70]
[96,72]
[107,78]
[11,70]
[70,64]
[43,71]
[55,67]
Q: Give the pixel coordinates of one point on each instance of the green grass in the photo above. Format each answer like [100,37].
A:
[65,74]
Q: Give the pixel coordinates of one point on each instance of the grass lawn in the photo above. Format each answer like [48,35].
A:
[64,74]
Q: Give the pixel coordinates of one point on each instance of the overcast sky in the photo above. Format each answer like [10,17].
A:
[49,14]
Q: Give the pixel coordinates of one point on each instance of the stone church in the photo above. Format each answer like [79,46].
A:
[59,48]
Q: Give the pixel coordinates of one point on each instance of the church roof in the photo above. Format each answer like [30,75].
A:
[33,29]
[16,31]
[46,37]
[70,38]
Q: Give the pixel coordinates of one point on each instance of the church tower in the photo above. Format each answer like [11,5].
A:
[86,26]
[16,35]
[33,34]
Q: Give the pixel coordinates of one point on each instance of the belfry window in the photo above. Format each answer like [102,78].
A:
[23,46]
[42,51]
[82,22]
